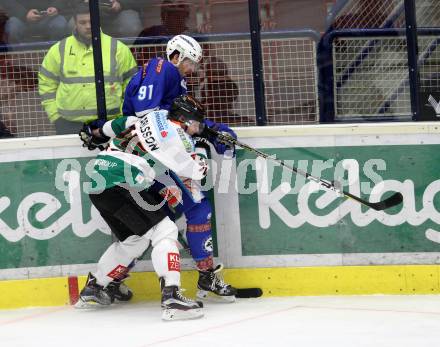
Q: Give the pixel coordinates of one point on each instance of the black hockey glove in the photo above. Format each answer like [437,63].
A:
[92,141]
[202,142]
[220,146]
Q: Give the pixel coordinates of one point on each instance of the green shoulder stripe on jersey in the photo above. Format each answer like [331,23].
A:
[119,125]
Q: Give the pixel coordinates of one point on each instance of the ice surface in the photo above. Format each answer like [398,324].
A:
[352,321]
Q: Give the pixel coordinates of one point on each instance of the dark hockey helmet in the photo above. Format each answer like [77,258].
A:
[185,108]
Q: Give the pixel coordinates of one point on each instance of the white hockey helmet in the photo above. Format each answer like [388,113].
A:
[187,48]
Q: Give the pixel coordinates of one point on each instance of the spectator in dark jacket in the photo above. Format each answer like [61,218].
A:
[4,132]
[119,18]
[30,18]
[220,93]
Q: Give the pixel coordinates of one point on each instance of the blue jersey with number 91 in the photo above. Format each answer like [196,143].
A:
[155,85]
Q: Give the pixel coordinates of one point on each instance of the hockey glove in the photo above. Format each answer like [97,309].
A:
[92,141]
[221,147]
[97,123]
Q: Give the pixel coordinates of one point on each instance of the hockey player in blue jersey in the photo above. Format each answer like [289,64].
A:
[155,86]
[160,81]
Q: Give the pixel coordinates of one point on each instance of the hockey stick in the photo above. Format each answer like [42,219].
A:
[391,201]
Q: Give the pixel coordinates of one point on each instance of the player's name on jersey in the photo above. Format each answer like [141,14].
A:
[147,134]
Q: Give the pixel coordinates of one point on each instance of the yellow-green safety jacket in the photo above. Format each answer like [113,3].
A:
[66,80]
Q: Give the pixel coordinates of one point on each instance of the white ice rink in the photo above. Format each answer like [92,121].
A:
[356,321]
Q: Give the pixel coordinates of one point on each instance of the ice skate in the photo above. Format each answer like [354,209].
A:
[175,306]
[93,295]
[119,291]
[212,287]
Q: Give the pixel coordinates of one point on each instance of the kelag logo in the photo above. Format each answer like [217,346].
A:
[295,216]
[43,204]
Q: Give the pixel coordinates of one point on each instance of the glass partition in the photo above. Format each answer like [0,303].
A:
[322,60]
[290,33]
[363,62]
[223,81]
[294,14]
[28,29]
[428,22]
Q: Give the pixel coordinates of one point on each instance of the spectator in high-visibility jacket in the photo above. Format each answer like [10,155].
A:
[67,77]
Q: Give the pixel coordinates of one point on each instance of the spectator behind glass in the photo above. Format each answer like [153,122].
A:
[31,20]
[118,18]
[66,80]
[4,132]
[219,92]
[174,16]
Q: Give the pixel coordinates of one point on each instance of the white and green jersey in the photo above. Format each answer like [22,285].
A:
[142,149]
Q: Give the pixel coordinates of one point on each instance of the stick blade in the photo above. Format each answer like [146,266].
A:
[247,293]
[392,201]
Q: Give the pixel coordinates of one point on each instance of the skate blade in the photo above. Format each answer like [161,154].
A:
[174,314]
[212,297]
[86,305]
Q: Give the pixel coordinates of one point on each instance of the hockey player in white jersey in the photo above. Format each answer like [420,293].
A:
[141,149]
[155,86]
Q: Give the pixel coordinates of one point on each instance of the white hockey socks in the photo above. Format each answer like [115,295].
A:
[166,261]
[165,254]
[113,264]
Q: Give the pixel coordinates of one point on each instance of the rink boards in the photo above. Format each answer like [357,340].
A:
[274,230]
